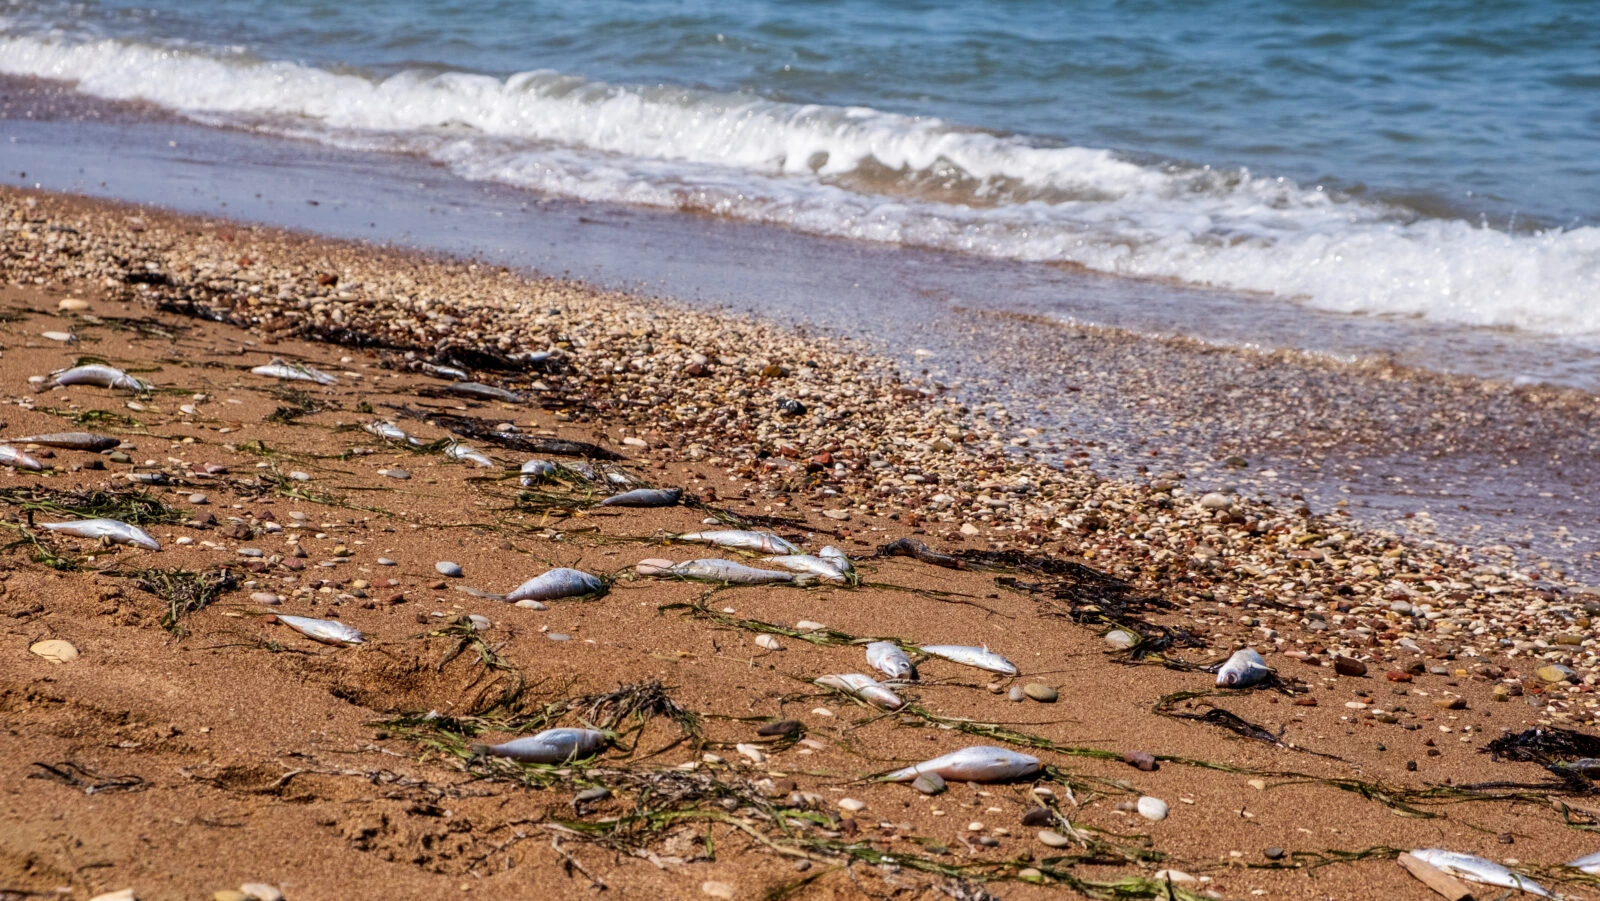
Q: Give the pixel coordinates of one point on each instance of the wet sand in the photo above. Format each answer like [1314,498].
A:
[221,747]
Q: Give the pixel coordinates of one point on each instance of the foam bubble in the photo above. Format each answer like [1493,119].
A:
[869,175]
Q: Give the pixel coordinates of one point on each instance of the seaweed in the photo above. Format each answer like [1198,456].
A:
[295,404]
[185,591]
[79,776]
[94,417]
[484,430]
[134,506]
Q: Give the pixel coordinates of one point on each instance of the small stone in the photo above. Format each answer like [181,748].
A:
[558,636]
[119,457]
[988,841]
[1121,639]
[395,473]
[119,895]
[229,894]
[1016,693]
[769,642]
[751,752]
[782,727]
[197,498]
[1053,838]
[385,561]
[1305,702]
[1395,675]
[72,305]
[448,569]
[252,552]
[929,783]
[1139,760]
[55,650]
[717,890]
[800,866]
[265,597]
[1153,809]
[852,805]
[1274,853]
[1501,693]
[260,891]
[1040,692]
[1555,672]
[1038,816]
[1259,785]
[1450,703]
[974,826]
[1173,876]
[299,476]
[1400,607]
[1349,666]
[1030,874]
[479,623]
[968,528]
[807,625]
[1216,501]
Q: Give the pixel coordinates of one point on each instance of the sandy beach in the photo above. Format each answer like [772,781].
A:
[190,742]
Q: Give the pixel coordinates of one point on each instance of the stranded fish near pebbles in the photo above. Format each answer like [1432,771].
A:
[718,570]
[805,563]
[864,687]
[326,631]
[838,559]
[981,658]
[980,763]
[1476,869]
[536,471]
[294,372]
[557,584]
[117,531]
[98,374]
[390,432]
[645,497]
[739,539]
[887,658]
[10,456]
[465,454]
[84,441]
[550,746]
[1244,669]
[1589,863]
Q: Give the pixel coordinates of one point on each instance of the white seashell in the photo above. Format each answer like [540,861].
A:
[462,452]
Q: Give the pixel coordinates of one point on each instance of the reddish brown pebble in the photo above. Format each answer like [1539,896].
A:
[1398,676]
[1139,759]
[1305,702]
[396,598]
[1349,666]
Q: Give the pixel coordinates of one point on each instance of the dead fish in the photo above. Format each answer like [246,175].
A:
[533,357]
[765,542]
[463,453]
[85,441]
[446,372]
[887,658]
[864,687]
[478,389]
[326,631]
[1244,669]
[294,372]
[838,559]
[1476,869]
[1589,863]
[550,746]
[805,563]
[101,375]
[388,431]
[980,763]
[117,531]
[982,658]
[718,570]
[536,471]
[645,497]
[557,584]
[10,456]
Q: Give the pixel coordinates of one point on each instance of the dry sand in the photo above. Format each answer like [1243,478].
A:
[184,757]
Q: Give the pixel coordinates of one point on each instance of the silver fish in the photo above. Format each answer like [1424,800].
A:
[461,452]
[477,389]
[1476,869]
[1589,863]
[536,471]
[982,658]
[294,372]
[645,497]
[718,570]
[445,372]
[887,658]
[98,374]
[864,687]
[838,559]
[535,356]
[765,542]
[980,763]
[805,563]
[326,631]
[388,431]
[85,441]
[1244,669]
[551,746]
[119,532]
[10,456]
[557,584]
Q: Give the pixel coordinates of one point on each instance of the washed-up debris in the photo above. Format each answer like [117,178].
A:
[550,746]
[864,687]
[116,531]
[10,456]
[478,389]
[101,375]
[326,631]
[981,657]
[485,430]
[388,431]
[84,441]
[1476,869]
[1589,863]
[294,372]
[537,471]
[1244,669]
[886,657]
[714,570]
[646,497]
[980,763]
[840,561]
[463,453]
[558,584]
[809,565]
[739,539]
[910,547]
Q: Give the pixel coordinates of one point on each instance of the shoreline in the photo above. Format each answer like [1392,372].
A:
[694,400]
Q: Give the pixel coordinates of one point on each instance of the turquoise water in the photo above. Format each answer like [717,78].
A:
[1439,160]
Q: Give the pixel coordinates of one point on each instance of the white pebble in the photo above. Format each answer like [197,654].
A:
[1153,809]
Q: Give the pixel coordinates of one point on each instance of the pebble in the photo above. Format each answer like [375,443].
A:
[266,597]
[1395,675]
[974,826]
[1121,639]
[1274,853]
[1053,838]
[446,568]
[480,623]
[1349,666]
[1555,672]
[72,305]
[260,891]
[768,641]
[55,650]
[1140,760]
[807,625]
[1173,876]
[1450,703]
[385,561]
[229,894]
[1216,501]
[119,895]
[781,727]
[852,805]
[1153,809]
[558,636]
[929,783]
[299,476]
[395,473]
[717,890]
[251,552]
[752,753]
[1038,816]
[119,457]
[197,498]
[1016,693]
[1040,692]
